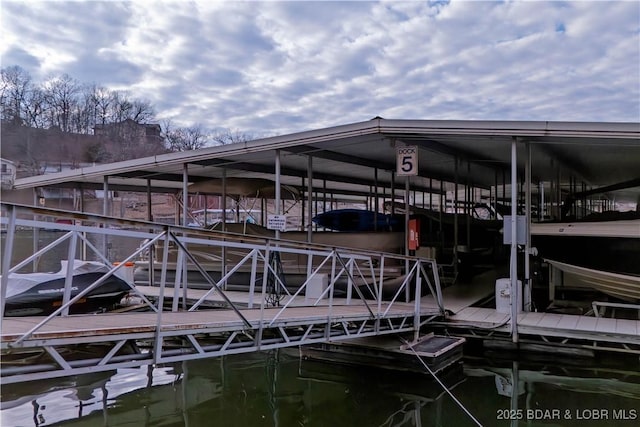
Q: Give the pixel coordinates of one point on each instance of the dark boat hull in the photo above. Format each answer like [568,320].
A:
[46,297]
[358,220]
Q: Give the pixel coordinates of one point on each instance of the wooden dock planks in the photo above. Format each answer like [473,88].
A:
[127,323]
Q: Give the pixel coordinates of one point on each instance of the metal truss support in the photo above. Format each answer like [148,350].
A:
[191,331]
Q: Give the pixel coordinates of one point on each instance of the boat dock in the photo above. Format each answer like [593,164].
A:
[226,331]
[407,260]
[580,333]
[180,323]
[458,300]
[183,323]
[542,331]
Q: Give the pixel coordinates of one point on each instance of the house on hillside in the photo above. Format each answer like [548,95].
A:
[35,151]
[129,139]
[130,130]
[8,174]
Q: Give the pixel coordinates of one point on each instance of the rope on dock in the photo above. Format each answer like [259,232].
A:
[409,346]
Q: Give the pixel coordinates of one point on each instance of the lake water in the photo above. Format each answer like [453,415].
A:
[278,388]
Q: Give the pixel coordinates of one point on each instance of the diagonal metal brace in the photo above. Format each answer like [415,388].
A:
[211,281]
[346,270]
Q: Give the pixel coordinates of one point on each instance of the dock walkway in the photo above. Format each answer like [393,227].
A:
[554,324]
[611,334]
[177,336]
[205,321]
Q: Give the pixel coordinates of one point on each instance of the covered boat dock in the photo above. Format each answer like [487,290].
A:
[541,171]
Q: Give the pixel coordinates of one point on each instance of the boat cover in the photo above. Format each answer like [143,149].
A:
[19,283]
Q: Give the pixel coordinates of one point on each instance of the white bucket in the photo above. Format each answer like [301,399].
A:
[125,272]
[503,296]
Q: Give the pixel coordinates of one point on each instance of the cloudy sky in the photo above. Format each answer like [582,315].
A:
[271,68]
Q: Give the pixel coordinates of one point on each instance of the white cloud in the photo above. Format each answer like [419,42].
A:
[277,67]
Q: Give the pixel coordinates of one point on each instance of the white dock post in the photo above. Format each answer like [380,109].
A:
[513,270]
[6,258]
[526,291]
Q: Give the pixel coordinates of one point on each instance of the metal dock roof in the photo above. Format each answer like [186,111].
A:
[345,157]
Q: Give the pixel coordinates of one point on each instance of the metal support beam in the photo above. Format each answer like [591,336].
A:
[513,271]
[309,213]
[406,230]
[526,295]
[455,219]
[6,257]
[376,200]
[185,193]
[105,209]
[36,232]
[277,176]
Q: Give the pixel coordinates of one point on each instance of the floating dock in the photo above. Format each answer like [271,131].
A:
[471,313]
[429,353]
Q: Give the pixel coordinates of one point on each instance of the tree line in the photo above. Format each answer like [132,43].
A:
[65,104]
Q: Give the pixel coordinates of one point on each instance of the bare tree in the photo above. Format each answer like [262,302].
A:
[35,108]
[122,125]
[102,101]
[83,115]
[61,95]
[231,137]
[185,138]
[142,111]
[123,108]
[14,86]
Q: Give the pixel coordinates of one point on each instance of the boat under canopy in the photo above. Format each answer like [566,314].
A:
[355,220]
[608,246]
[618,285]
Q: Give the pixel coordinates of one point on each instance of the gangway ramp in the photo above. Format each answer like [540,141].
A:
[177,324]
[198,334]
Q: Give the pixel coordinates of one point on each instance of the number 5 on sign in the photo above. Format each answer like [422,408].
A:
[407,160]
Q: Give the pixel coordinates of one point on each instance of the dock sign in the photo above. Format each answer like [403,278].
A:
[277,222]
[407,163]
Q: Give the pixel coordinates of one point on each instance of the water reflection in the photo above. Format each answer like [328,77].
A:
[279,389]
[559,391]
